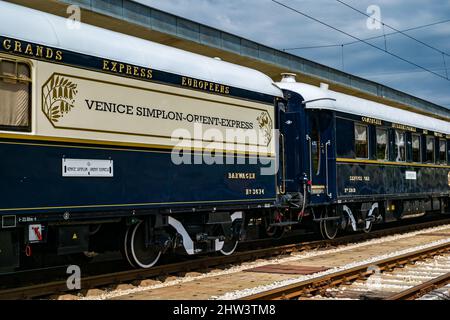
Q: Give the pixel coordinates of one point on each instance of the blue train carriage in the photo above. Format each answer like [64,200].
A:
[105,141]
[361,162]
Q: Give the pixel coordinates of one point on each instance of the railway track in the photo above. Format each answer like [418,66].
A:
[59,287]
[319,285]
[422,289]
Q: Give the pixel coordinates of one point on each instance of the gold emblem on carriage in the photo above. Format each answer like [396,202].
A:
[448,179]
[58,97]
[265,123]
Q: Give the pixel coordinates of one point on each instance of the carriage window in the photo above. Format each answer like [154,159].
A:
[361,141]
[400,146]
[416,150]
[382,144]
[442,151]
[15,87]
[430,149]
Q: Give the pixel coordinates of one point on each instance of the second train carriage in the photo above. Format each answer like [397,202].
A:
[357,162]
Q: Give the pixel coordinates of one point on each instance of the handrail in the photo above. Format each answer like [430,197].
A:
[283,163]
[326,167]
[308,138]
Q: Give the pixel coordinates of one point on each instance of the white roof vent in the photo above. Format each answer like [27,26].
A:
[324,86]
[218,59]
[288,77]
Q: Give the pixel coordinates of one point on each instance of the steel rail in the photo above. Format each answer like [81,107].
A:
[56,287]
[141,274]
[297,290]
[421,289]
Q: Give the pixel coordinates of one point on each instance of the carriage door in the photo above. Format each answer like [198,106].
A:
[290,153]
[320,153]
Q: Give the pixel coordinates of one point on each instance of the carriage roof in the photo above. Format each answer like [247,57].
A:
[46,29]
[323,98]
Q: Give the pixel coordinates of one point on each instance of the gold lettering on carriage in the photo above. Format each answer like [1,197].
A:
[359,178]
[403,127]
[241,176]
[27,49]
[205,85]
[372,121]
[127,69]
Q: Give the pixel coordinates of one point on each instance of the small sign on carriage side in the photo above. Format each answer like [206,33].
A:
[87,168]
[411,175]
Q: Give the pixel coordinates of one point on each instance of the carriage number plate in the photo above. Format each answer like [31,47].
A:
[87,168]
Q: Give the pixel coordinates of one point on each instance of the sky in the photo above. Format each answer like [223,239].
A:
[271,24]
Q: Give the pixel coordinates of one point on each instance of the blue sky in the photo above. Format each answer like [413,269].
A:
[267,22]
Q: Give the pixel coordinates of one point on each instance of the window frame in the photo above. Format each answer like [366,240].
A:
[29,81]
[386,130]
[445,152]
[418,135]
[426,149]
[367,139]
[404,145]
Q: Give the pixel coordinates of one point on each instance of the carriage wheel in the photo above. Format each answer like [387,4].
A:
[137,253]
[125,249]
[328,228]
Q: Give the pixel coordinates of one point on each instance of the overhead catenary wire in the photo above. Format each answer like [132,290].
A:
[398,72]
[393,28]
[356,38]
[401,32]
[371,38]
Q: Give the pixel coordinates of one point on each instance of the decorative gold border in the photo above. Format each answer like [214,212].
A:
[150,90]
[148,147]
[390,163]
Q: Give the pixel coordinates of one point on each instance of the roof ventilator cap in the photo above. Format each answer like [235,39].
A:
[288,77]
[324,86]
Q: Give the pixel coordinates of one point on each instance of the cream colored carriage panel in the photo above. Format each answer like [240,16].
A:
[82,104]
